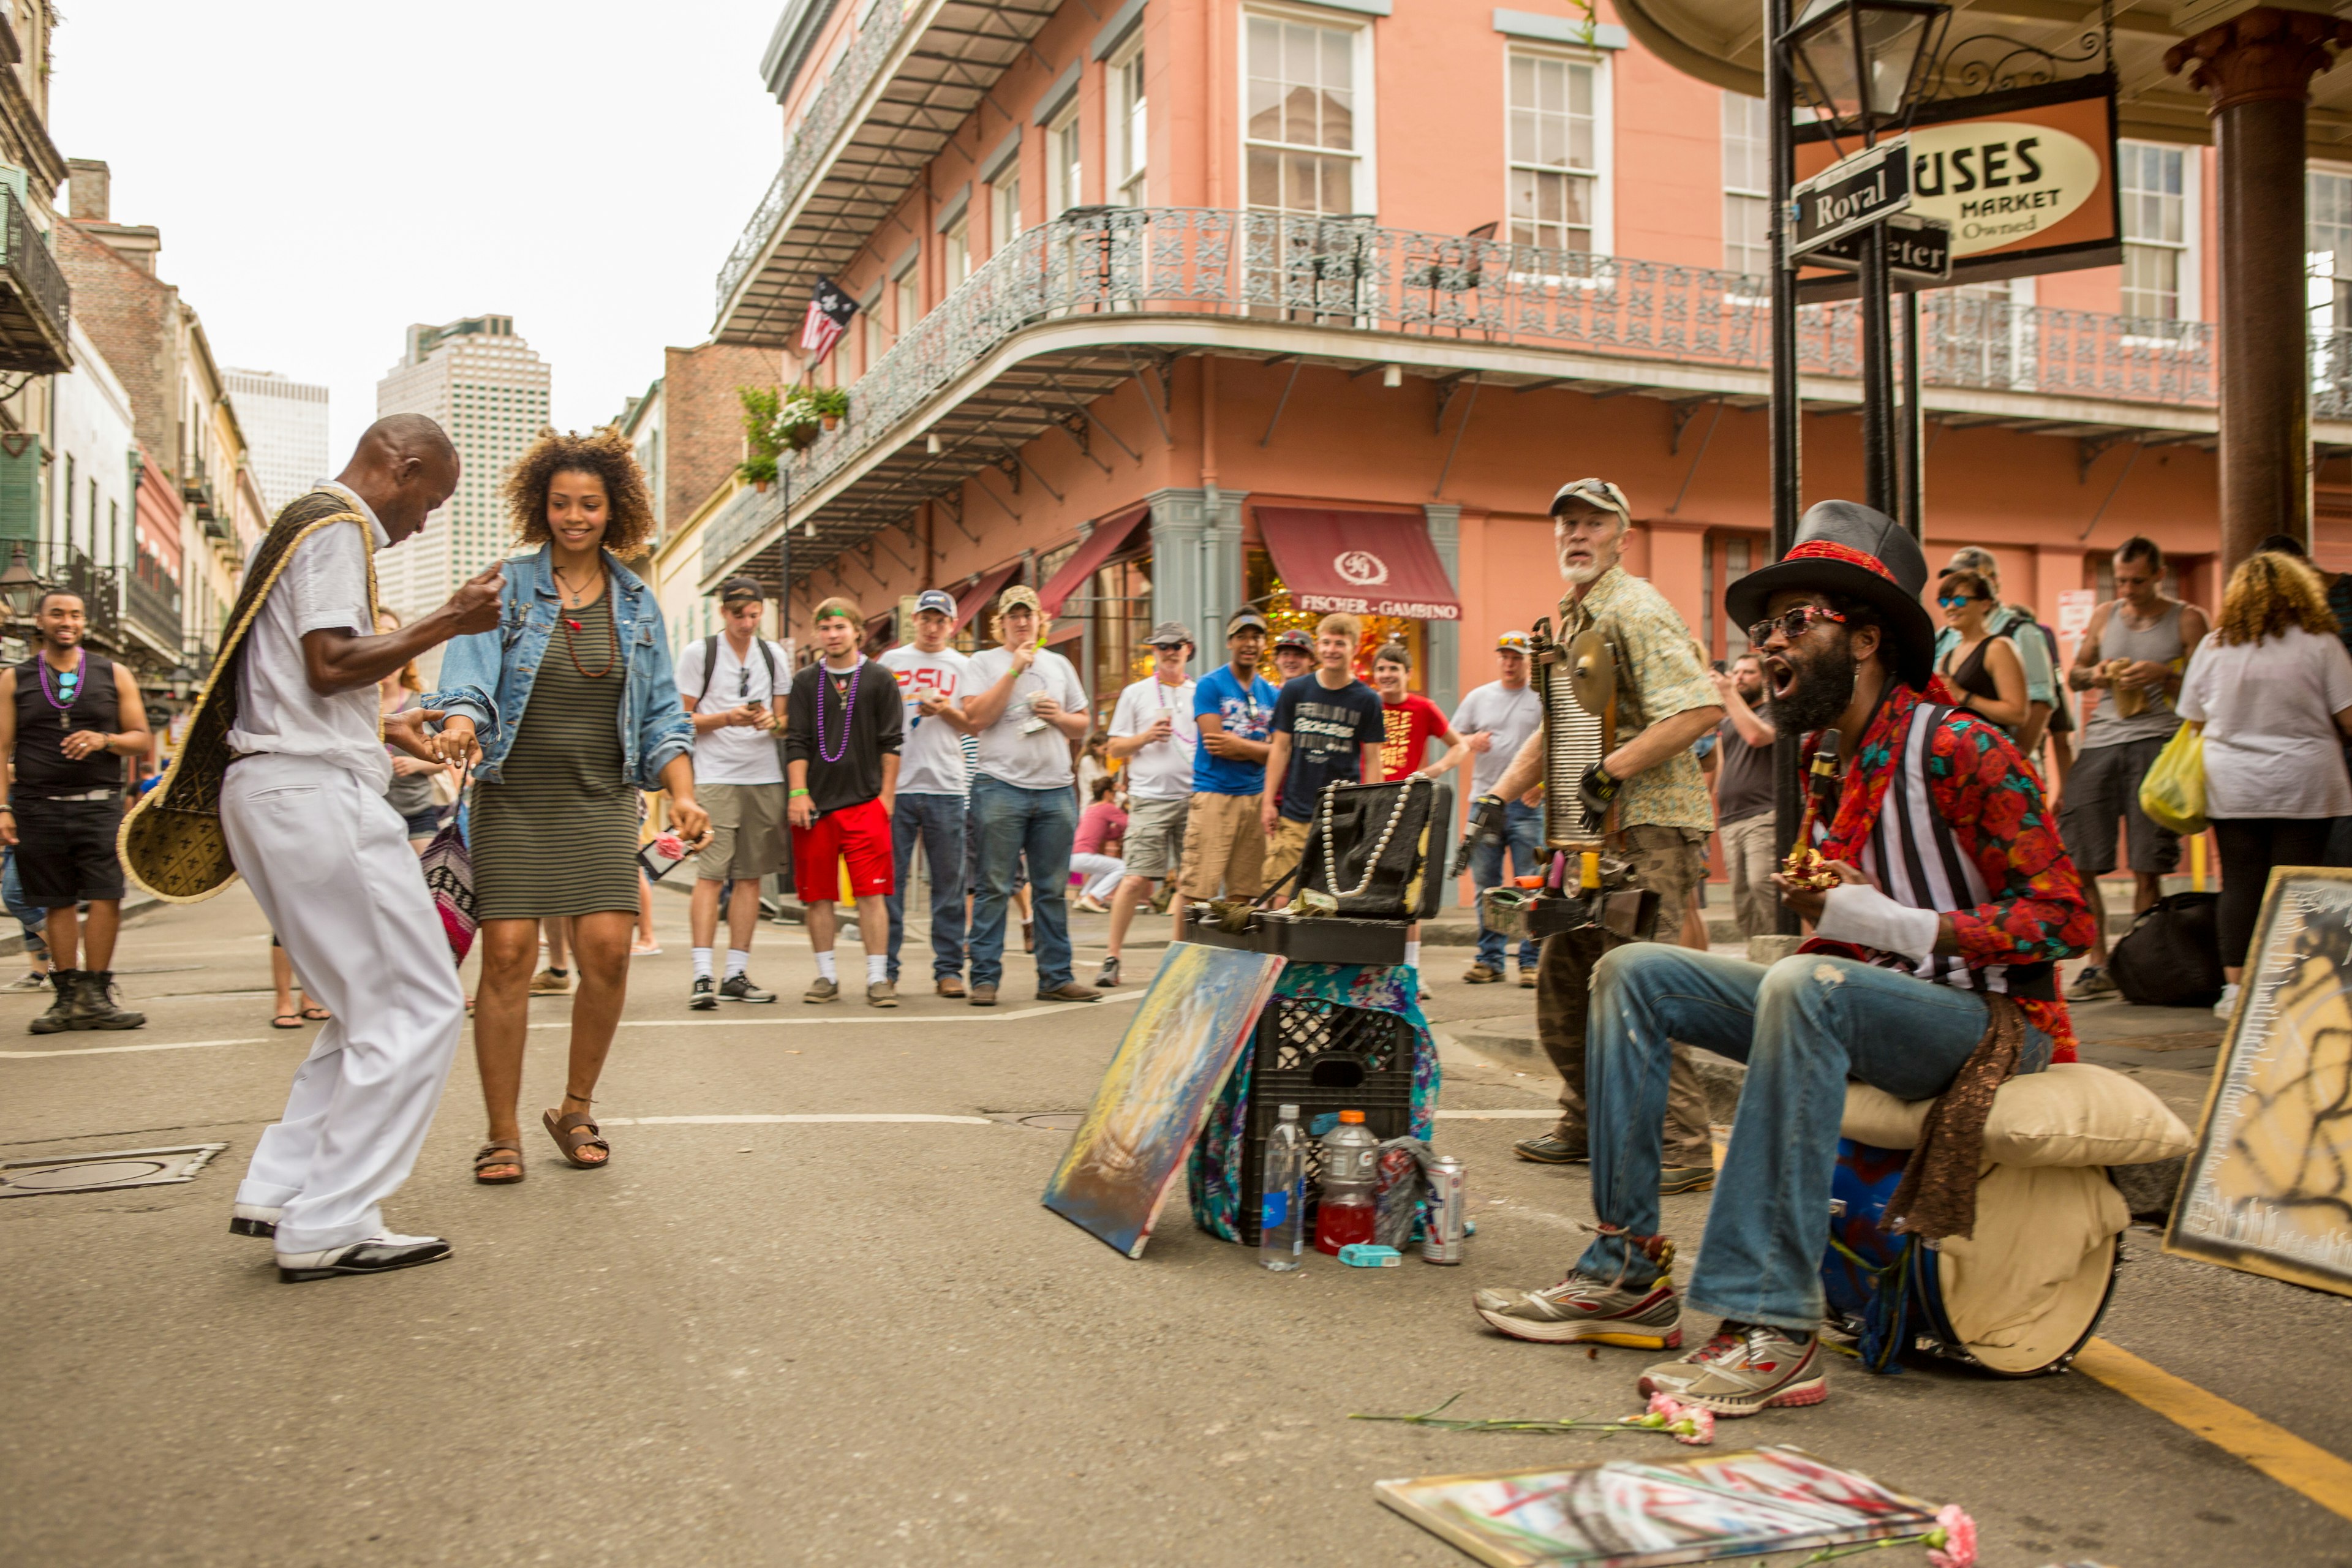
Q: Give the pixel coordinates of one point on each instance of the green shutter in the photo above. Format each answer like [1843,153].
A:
[20,487]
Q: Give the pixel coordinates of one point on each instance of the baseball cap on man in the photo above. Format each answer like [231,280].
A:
[1295,638]
[1244,620]
[1511,642]
[1170,634]
[936,599]
[1599,494]
[1019,594]
[739,590]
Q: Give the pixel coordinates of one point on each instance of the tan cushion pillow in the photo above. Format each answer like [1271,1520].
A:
[2073,1114]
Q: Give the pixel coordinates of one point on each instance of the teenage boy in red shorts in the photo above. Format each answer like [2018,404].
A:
[842,729]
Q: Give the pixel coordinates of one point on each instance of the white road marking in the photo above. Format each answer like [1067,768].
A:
[110,1050]
[735,1120]
[738,1020]
[1498,1115]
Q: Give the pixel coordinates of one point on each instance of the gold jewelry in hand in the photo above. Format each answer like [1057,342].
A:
[1805,868]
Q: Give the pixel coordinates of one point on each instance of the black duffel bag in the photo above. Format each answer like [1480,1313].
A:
[2171,957]
[1379,850]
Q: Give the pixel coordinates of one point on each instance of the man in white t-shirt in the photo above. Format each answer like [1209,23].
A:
[934,783]
[1496,720]
[1026,706]
[1154,731]
[733,686]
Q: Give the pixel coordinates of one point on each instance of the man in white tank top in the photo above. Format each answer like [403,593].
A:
[2132,655]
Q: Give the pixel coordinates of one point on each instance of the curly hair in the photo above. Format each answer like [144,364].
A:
[604,453]
[2269,593]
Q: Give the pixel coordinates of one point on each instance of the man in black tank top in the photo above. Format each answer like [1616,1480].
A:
[68,717]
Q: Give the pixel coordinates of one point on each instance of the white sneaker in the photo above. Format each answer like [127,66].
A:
[376,1255]
[2228,1002]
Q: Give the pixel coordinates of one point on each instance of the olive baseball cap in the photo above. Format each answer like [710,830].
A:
[1598,494]
[1019,594]
[1243,621]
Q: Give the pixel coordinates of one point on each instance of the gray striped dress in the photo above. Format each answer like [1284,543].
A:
[557,834]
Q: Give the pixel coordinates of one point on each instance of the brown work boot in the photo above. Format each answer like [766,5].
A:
[983,994]
[951,986]
[1481,975]
[1069,991]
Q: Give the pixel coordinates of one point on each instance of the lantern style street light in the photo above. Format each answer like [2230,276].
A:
[20,588]
[1861,60]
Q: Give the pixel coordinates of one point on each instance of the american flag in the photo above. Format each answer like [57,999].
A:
[829,311]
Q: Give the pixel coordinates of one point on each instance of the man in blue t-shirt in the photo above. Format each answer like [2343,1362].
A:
[1327,725]
[1234,705]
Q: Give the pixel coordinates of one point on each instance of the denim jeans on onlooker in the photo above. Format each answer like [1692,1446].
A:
[1012,822]
[29,916]
[1803,1027]
[1523,836]
[936,821]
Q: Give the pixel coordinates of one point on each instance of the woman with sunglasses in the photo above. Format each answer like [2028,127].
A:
[1984,670]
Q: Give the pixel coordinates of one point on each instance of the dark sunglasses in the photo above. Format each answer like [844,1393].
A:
[1792,624]
[1954,601]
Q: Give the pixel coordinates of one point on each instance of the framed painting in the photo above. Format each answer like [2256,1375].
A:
[2268,1188]
[1186,1034]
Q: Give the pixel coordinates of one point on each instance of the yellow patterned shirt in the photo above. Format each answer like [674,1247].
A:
[1662,666]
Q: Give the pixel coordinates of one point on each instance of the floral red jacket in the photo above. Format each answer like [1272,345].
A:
[1992,803]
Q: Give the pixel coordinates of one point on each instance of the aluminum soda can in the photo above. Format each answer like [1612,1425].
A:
[1442,1229]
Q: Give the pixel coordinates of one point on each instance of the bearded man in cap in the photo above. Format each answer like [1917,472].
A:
[1662,816]
[1947,903]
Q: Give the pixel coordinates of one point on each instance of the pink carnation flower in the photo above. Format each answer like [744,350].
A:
[1688,1424]
[1953,1542]
[671,846]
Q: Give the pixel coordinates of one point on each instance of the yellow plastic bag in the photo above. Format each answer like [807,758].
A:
[2173,793]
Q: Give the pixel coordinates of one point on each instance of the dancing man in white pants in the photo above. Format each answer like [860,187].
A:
[303,810]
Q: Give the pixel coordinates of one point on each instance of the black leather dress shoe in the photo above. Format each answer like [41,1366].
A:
[376,1255]
[253,1219]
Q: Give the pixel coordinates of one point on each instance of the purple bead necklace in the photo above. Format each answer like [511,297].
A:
[848,711]
[62,688]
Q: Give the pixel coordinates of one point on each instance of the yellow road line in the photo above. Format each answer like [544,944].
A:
[2276,1452]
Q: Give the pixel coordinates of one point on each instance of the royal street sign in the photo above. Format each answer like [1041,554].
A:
[1850,195]
[1918,250]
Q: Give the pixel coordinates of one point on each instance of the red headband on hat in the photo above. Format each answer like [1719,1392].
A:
[1824,550]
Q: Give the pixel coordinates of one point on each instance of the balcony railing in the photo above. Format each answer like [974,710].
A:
[153,607]
[66,567]
[37,302]
[1352,276]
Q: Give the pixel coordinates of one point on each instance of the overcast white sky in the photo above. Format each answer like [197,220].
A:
[325,173]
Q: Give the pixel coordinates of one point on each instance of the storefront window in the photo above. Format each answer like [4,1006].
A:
[1122,619]
[1271,598]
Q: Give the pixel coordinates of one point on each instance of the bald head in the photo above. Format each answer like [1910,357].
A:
[404,466]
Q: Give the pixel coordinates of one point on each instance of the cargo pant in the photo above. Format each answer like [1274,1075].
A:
[1669,862]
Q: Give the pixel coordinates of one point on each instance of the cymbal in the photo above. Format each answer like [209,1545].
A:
[1591,672]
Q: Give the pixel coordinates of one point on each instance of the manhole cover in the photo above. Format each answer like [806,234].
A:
[99,1173]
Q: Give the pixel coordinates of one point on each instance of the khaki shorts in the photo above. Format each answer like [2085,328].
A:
[747,832]
[1154,838]
[1283,849]
[1223,845]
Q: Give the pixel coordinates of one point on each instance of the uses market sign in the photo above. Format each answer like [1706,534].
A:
[2025,178]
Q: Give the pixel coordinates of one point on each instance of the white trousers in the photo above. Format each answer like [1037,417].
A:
[1102,874]
[329,860]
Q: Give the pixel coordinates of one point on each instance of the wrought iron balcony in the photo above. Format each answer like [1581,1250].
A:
[34,303]
[1139,282]
[151,605]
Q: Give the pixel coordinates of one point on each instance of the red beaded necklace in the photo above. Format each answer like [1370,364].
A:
[571,629]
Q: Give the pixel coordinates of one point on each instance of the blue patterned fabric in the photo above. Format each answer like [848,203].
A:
[1214,1177]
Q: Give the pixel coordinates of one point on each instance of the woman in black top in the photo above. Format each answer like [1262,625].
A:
[1982,669]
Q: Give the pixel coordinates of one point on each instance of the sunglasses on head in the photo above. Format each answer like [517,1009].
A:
[1792,624]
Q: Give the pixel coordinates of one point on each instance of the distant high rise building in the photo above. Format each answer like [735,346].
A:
[489,390]
[285,424]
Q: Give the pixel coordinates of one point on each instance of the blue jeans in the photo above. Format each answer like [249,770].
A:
[1803,1027]
[1523,836]
[12,893]
[937,820]
[1012,822]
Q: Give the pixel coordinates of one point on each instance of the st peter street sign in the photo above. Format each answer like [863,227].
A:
[1850,195]
[1918,250]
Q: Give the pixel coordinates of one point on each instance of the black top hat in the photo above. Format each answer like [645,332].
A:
[1847,548]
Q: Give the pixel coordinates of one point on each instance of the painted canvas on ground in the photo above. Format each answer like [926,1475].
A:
[1633,1515]
[2268,1188]
[1186,1034]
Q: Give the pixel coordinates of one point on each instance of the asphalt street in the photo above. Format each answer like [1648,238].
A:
[830,1340]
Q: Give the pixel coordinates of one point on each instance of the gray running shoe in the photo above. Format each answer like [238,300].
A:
[704,997]
[738,988]
[1109,975]
[1582,1308]
[2092,984]
[1745,1368]
[38,980]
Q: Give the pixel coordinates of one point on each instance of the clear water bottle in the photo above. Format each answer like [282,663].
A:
[1282,1214]
[1345,1211]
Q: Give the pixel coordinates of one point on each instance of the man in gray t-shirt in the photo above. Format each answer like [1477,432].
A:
[2132,655]
[1495,721]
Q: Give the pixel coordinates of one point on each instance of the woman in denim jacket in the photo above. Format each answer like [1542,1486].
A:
[569,709]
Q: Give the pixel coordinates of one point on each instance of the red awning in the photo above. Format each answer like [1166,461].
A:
[1065,631]
[981,594]
[1110,535]
[1362,562]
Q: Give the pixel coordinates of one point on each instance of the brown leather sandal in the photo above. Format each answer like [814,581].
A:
[490,1154]
[574,1132]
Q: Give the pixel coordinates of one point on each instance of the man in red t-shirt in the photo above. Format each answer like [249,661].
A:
[1411,722]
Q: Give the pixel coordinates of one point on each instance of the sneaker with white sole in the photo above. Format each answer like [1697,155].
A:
[2228,1002]
[704,997]
[1745,1368]
[2092,984]
[1581,1308]
[740,988]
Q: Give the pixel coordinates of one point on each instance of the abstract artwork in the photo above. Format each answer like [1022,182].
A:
[1186,1034]
[2268,1188]
[1629,1514]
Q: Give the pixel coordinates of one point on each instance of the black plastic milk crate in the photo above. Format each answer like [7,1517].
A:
[1321,1057]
